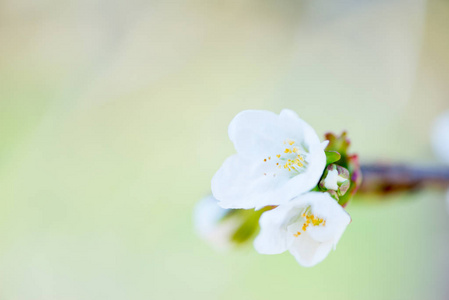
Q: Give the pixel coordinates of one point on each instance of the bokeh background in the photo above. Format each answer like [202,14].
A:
[113,119]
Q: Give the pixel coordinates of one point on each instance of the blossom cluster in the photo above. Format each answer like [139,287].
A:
[294,185]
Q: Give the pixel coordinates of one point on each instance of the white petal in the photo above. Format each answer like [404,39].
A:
[297,128]
[332,179]
[229,184]
[309,252]
[337,219]
[278,228]
[272,238]
[246,180]
[240,183]
[313,245]
[256,133]
[306,181]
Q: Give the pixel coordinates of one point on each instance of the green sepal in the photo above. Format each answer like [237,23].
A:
[331,157]
[250,224]
[337,143]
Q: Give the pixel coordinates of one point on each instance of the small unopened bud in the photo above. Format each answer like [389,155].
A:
[335,180]
[225,228]
[212,225]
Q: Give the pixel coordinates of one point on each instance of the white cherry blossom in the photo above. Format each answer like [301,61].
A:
[309,226]
[278,158]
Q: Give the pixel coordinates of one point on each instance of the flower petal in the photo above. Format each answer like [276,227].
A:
[272,238]
[295,127]
[247,180]
[306,181]
[313,245]
[238,184]
[309,252]
[282,228]
[337,219]
[230,184]
[255,133]
[324,206]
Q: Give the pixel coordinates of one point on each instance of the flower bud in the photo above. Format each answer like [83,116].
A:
[335,180]
[211,226]
[225,228]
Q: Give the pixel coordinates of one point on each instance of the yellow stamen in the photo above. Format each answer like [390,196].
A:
[312,220]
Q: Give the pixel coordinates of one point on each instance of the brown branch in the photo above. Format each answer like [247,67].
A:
[390,178]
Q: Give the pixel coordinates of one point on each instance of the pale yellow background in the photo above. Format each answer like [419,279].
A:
[113,119]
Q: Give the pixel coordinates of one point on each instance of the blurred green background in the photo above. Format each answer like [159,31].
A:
[113,119]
